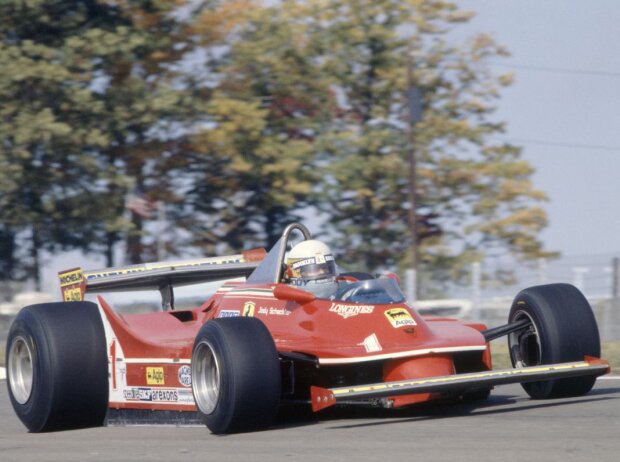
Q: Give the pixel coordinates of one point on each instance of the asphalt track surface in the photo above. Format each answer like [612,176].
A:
[509,426]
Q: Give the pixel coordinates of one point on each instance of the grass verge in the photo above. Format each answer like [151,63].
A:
[501,360]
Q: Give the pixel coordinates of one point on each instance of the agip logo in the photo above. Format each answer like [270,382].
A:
[248,309]
[155,376]
[399,317]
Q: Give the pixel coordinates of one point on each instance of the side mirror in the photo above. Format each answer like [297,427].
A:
[285,292]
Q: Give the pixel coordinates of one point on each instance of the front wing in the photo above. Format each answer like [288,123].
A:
[326,397]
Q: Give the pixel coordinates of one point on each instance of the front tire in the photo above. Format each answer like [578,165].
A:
[563,329]
[57,366]
[236,375]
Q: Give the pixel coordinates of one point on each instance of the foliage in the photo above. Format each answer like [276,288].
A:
[240,117]
[90,102]
[49,129]
[474,196]
[610,351]
[253,162]
[143,111]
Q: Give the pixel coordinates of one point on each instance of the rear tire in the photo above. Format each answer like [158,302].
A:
[563,330]
[57,366]
[236,375]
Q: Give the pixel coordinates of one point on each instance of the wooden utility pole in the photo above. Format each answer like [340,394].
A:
[414,114]
[615,267]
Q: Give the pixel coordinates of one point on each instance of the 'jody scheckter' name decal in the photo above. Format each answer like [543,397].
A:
[346,311]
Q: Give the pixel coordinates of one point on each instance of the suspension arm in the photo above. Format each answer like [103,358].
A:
[500,331]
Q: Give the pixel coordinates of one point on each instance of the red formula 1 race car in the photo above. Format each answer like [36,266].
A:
[258,344]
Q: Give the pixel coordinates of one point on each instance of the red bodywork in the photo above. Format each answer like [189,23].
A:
[341,343]
[366,344]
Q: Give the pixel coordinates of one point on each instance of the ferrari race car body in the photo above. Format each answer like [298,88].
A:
[255,345]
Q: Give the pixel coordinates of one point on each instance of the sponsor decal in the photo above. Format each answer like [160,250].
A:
[317,259]
[300,263]
[371,344]
[165,265]
[72,295]
[161,395]
[71,277]
[155,375]
[399,317]
[228,314]
[271,311]
[186,396]
[104,274]
[120,372]
[346,311]
[185,376]
[248,309]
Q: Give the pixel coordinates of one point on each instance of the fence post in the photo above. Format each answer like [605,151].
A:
[475,289]
[579,273]
[410,285]
[542,270]
[615,264]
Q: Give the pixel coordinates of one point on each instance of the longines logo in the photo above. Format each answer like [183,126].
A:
[346,311]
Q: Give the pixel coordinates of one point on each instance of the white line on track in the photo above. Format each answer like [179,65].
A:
[2,373]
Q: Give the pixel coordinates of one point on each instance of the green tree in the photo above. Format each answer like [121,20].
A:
[254,163]
[154,102]
[143,109]
[48,129]
[299,105]
[474,196]
[93,108]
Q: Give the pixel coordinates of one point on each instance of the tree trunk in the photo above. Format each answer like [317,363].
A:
[134,240]
[35,255]
[7,255]
[109,248]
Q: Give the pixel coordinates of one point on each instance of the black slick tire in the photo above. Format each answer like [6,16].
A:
[563,330]
[57,366]
[236,375]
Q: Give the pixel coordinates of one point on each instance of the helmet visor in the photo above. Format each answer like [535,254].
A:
[314,271]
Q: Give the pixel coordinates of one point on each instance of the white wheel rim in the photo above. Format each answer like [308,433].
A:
[515,339]
[20,370]
[205,377]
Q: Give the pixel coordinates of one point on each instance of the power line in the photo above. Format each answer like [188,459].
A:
[557,70]
[562,71]
[565,145]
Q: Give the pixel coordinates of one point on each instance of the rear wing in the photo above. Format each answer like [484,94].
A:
[162,276]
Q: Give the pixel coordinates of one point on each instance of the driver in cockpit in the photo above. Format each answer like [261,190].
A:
[311,266]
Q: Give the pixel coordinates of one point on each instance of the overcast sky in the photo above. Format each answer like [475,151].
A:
[564,109]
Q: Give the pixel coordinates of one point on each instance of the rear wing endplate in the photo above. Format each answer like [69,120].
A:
[162,276]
